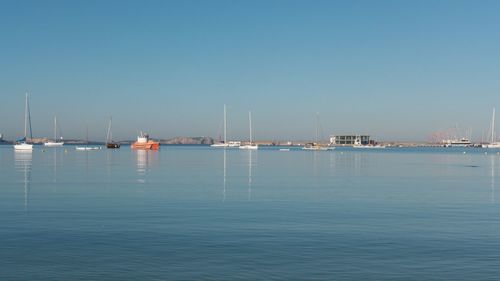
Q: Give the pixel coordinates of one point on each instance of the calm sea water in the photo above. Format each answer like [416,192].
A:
[196,213]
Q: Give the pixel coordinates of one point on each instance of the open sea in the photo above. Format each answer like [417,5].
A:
[200,213]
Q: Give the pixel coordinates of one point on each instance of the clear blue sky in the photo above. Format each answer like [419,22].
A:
[398,70]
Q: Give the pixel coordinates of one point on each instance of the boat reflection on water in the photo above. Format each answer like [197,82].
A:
[493,179]
[250,164]
[23,160]
[224,181]
[145,159]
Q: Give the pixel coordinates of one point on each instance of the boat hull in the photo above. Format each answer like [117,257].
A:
[112,145]
[53,144]
[493,145]
[220,145]
[23,146]
[318,148]
[150,145]
[83,148]
[249,147]
[369,146]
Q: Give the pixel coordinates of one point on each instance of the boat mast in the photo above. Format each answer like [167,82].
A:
[26,117]
[55,128]
[317,127]
[493,127]
[108,135]
[225,125]
[250,122]
[29,117]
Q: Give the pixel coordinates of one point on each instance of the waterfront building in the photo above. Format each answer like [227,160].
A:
[350,140]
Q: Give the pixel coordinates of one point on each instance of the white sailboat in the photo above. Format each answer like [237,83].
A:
[22,144]
[54,142]
[315,146]
[225,143]
[493,143]
[251,144]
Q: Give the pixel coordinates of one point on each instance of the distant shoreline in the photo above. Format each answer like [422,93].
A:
[189,142]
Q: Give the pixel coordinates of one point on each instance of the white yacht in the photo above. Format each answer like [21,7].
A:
[22,144]
[250,145]
[54,142]
[225,143]
[316,146]
[493,143]
[463,142]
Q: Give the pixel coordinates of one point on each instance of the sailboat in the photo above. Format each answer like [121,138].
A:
[316,146]
[251,144]
[493,143]
[109,137]
[22,144]
[87,147]
[225,143]
[54,142]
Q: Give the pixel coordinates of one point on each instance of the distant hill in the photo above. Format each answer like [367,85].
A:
[189,140]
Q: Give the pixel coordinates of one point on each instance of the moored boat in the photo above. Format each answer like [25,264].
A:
[109,138]
[112,145]
[143,142]
[52,143]
[463,142]
[224,143]
[493,143]
[368,146]
[82,148]
[23,144]
[87,147]
[317,147]
[250,145]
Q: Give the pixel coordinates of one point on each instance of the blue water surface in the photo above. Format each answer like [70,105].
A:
[199,213]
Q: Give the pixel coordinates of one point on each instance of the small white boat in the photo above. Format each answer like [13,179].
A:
[52,143]
[284,149]
[493,145]
[317,147]
[369,146]
[87,148]
[220,144]
[250,146]
[22,144]
[234,144]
